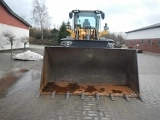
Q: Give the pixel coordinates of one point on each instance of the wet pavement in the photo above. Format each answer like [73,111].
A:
[18,102]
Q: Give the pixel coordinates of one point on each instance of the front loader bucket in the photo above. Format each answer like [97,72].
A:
[90,71]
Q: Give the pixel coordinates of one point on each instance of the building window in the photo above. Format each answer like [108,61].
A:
[128,42]
[159,42]
[149,42]
[137,42]
[142,42]
[134,42]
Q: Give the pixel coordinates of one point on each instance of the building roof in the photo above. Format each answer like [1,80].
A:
[145,28]
[14,14]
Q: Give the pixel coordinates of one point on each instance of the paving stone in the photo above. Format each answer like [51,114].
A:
[87,118]
[92,115]
[106,119]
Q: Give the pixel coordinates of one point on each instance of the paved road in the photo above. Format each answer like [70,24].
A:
[18,101]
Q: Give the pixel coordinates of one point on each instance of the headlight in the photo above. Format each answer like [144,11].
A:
[69,43]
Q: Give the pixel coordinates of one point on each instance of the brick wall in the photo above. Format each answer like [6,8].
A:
[8,19]
[148,45]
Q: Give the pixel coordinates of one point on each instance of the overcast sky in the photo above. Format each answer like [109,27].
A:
[121,15]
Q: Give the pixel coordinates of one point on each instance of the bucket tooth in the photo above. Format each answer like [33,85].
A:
[67,95]
[126,97]
[140,98]
[82,96]
[111,97]
[53,94]
[38,95]
[97,96]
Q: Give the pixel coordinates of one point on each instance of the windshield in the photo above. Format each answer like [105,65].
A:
[87,19]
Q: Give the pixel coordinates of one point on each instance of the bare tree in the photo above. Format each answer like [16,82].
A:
[25,40]
[10,36]
[117,37]
[40,15]
[120,38]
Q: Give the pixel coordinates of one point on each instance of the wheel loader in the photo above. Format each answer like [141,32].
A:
[87,64]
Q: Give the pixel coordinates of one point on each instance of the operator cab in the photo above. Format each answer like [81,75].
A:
[86,24]
[86,19]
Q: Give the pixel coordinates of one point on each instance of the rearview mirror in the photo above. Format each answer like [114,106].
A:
[70,15]
[102,15]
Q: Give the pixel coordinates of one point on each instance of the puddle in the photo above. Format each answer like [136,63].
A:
[1,74]
[16,80]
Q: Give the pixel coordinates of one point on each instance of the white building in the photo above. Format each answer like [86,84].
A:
[146,38]
[12,23]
